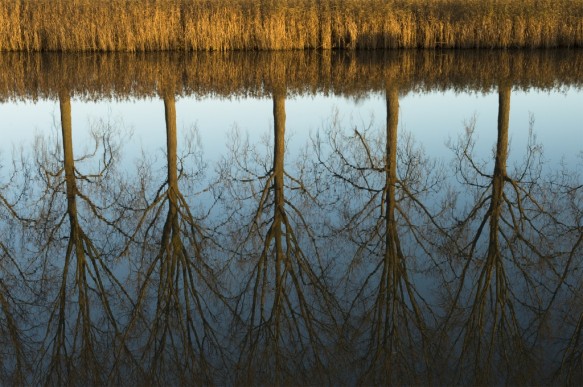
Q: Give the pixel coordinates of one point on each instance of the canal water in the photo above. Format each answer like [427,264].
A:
[317,217]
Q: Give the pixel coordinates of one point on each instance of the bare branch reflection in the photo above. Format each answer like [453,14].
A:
[570,301]
[179,303]
[381,189]
[504,261]
[358,259]
[284,308]
[78,279]
[15,289]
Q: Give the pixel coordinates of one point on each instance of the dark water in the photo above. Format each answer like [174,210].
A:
[355,251]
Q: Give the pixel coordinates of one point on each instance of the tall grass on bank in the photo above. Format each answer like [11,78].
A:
[147,25]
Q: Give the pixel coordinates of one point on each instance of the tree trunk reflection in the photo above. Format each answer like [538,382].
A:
[497,304]
[283,303]
[383,187]
[397,328]
[82,325]
[178,302]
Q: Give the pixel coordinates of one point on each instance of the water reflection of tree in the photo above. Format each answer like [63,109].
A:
[283,303]
[381,189]
[13,356]
[504,234]
[82,292]
[14,285]
[174,325]
[570,371]
[570,307]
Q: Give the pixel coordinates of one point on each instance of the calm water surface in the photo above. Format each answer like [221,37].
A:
[292,218]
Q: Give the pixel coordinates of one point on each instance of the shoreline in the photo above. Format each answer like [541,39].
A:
[266,25]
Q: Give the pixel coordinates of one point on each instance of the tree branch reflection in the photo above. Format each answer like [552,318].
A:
[15,354]
[77,274]
[284,308]
[381,189]
[570,371]
[505,265]
[174,327]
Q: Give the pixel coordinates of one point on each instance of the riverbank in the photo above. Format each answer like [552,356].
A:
[220,25]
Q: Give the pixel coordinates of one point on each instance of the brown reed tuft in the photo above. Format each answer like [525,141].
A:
[220,25]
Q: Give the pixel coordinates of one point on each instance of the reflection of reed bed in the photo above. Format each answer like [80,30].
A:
[121,25]
[92,76]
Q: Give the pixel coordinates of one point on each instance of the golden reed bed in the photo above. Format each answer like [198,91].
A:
[220,25]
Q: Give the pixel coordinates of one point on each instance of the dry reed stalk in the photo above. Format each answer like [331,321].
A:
[220,25]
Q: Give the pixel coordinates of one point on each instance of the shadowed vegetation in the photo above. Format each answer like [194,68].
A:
[152,25]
